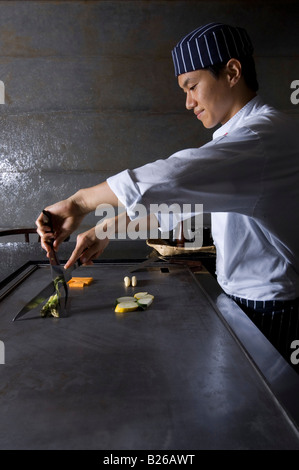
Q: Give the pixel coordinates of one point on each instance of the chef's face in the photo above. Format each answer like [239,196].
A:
[209,97]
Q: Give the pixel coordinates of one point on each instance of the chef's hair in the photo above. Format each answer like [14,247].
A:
[248,71]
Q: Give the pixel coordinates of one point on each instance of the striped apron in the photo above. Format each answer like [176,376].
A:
[278,321]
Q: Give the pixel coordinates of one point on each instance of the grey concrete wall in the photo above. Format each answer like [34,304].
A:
[90,88]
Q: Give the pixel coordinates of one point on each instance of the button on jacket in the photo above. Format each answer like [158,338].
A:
[247,177]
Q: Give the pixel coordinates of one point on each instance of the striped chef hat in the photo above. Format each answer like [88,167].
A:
[208,45]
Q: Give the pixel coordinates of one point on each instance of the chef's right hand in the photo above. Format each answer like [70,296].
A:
[66,217]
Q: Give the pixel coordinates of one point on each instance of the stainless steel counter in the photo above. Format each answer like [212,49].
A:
[176,376]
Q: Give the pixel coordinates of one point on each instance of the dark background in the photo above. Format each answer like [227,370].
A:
[90,88]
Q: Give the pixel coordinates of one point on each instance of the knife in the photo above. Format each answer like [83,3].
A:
[153,256]
[57,272]
[60,276]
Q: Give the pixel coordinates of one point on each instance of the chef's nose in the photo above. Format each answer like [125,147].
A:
[190,102]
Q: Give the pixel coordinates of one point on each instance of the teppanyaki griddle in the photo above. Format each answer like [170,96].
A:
[172,377]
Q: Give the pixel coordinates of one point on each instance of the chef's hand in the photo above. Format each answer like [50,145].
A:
[66,217]
[88,248]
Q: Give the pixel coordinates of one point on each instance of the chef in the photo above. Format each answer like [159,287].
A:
[247,177]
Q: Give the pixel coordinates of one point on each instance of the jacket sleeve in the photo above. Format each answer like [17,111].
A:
[225,175]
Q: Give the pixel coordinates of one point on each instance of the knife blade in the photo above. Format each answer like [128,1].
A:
[45,293]
[153,256]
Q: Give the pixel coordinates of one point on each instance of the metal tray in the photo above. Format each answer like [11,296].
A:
[175,376]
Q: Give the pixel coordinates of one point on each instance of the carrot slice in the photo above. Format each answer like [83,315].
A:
[76,284]
[85,280]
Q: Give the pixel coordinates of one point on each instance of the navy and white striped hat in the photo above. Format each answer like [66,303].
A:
[208,45]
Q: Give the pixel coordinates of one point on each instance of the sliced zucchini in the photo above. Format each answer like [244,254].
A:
[141,300]
[145,302]
[138,295]
[144,295]
[125,299]
[128,306]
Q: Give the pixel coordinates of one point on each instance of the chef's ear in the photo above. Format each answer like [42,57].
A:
[234,71]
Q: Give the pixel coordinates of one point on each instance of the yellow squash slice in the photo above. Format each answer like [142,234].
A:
[127,306]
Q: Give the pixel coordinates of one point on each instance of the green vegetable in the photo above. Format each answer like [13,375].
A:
[145,302]
[51,307]
[58,280]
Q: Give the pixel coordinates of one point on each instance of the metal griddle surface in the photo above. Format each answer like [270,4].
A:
[172,377]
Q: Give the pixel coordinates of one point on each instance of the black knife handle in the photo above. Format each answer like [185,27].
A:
[48,221]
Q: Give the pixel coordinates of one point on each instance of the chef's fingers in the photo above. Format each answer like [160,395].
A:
[73,258]
[42,229]
[46,234]
[40,222]
[88,248]
[94,251]
[63,236]
[82,244]
[44,241]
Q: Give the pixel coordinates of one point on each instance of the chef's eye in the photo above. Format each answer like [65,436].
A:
[193,87]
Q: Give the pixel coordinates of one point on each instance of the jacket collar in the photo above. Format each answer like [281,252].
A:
[251,107]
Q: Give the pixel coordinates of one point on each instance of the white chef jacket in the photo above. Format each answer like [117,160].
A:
[247,177]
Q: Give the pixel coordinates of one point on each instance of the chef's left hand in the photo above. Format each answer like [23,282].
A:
[88,247]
